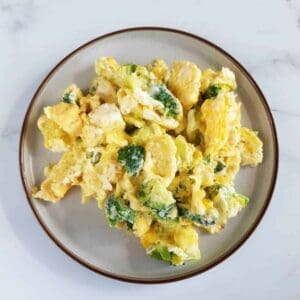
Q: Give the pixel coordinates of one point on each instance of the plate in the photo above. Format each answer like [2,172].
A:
[82,231]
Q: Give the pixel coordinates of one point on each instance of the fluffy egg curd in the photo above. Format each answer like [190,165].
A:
[158,148]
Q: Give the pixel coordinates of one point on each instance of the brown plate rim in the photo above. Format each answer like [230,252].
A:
[224,255]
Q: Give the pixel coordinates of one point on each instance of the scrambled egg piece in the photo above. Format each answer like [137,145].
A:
[55,138]
[89,103]
[160,158]
[224,78]
[107,117]
[91,135]
[173,243]
[184,82]
[218,116]
[157,149]
[66,116]
[160,69]
[104,89]
[184,153]
[106,67]
[250,148]
[139,105]
[62,176]
[145,133]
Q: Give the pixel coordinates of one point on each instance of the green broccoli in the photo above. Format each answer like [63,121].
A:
[132,76]
[130,68]
[72,94]
[195,218]
[131,157]
[211,92]
[154,195]
[206,159]
[244,200]
[66,98]
[92,89]
[70,98]
[219,167]
[212,190]
[93,156]
[117,212]
[227,193]
[162,94]
[161,252]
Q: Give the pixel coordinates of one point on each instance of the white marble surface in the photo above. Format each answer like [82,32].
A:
[263,35]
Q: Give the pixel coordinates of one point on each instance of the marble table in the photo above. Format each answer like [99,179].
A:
[263,35]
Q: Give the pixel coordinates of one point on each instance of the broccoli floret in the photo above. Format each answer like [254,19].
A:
[198,219]
[163,95]
[171,242]
[154,195]
[211,92]
[92,89]
[244,200]
[212,190]
[130,68]
[93,156]
[131,157]
[226,199]
[226,193]
[206,159]
[117,212]
[131,75]
[66,98]
[181,186]
[72,95]
[219,167]
[179,190]
[161,252]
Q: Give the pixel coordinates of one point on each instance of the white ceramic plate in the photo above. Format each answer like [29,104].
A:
[82,231]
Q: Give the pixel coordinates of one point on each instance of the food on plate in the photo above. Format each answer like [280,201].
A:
[157,147]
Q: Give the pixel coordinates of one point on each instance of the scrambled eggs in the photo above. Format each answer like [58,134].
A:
[157,148]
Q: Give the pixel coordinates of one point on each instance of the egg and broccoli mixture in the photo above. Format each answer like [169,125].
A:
[157,148]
